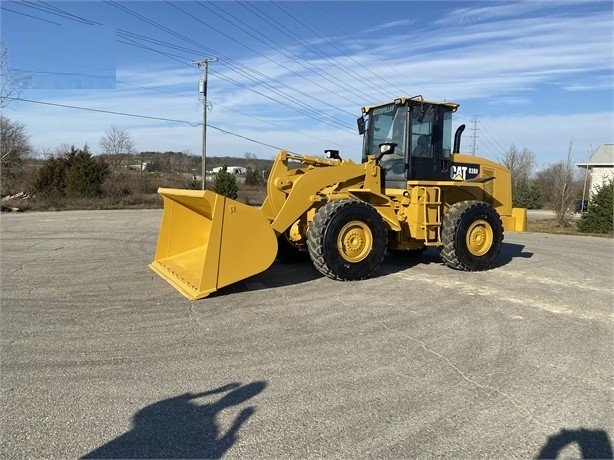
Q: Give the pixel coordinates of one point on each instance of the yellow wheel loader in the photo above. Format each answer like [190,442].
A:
[411,191]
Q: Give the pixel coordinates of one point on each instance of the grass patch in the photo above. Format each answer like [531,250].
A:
[552,226]
[37,203]
[253,196]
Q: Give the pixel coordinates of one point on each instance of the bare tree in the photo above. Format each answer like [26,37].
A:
[564,188]
[252,160]
[14,146]
[118,144]
[521,163]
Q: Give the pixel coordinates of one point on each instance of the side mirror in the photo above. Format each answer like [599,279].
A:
[362,125]
[387,148]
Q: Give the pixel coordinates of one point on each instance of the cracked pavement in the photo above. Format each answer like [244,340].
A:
[102,358]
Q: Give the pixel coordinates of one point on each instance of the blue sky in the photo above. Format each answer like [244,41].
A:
[294,75]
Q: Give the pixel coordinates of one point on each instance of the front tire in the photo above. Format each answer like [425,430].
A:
[472,236]
[347,240]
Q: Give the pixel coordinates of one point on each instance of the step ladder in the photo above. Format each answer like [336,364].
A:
[430,202]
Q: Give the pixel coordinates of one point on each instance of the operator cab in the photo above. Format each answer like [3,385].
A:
[420,134]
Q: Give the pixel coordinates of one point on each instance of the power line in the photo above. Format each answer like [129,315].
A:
[111,112]
[133,36]
[236,66]
[494,140]
[289,33]
[387,64]
[174,57]
[326,119]
[335,123]
[224,131]
[340,65]
[225,107]
[55,11]
[248,73]
[234,21]
[85,20]
[304,64]
[30,16]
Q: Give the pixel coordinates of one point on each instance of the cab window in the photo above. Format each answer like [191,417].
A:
[422,131]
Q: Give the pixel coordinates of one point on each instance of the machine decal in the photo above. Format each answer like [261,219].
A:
[464,171]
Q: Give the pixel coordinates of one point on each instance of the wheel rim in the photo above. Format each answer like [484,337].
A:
[479,238]
[355,241]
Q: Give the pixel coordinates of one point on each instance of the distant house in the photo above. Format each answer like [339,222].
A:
[141,166]
[600,168]
[231,169]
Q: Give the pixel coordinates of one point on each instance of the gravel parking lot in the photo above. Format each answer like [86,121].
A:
[102,358]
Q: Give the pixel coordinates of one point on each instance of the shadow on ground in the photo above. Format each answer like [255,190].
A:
[179,427]
[286,274]
[592,443]
[510,251]
[277,275]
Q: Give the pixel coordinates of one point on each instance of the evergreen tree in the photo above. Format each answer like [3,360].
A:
[599,216]
[527,195]
[75,174]
[84,175]
[51,178]
[225,184]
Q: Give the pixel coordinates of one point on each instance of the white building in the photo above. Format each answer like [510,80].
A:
[600,168]
[230,169]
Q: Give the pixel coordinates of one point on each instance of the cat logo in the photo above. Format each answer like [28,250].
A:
[464,171]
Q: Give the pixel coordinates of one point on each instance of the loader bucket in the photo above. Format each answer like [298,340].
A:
[208,241]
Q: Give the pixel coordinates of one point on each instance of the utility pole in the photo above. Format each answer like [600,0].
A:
[475,132]
[202,90]
[591,152]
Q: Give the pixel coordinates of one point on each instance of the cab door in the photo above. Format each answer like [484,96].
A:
[394,129]
[429,160]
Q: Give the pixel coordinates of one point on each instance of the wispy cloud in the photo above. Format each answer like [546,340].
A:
[536,133]
[504,10]
[590,83]
[389,25]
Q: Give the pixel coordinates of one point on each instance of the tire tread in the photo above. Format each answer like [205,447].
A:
[451,221]
[316,237]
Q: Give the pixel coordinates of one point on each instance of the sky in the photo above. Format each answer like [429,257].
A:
[294,75]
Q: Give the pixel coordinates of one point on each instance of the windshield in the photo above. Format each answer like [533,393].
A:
[387,124]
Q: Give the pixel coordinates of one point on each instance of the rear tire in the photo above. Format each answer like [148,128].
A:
[347,240]
[472,236]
